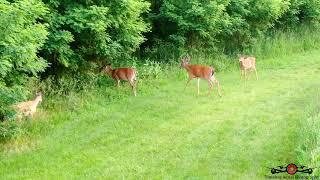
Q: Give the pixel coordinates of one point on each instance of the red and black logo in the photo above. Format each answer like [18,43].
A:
[291,169]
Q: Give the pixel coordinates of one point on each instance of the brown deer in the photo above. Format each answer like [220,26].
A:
[127,74]
[28,108]
[200,72]
[247,63]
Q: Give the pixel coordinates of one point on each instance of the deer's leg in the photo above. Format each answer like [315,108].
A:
[198,86]
[218,86]
[255,70]
[190,78]
[118,83]
[210,86]
[245,74]
[133,86]
[241,74]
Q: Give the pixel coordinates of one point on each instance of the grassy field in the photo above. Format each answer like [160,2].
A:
[166,132]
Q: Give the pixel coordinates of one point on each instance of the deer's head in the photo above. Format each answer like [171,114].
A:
[39,96]
[185,61]
[241,58]
[107,69]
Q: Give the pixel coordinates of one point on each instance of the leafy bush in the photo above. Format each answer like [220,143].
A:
[21,37]
[226,26]
[68,82]
[149,69]
[92,31]
[9,129]
[192,22]
[300,11]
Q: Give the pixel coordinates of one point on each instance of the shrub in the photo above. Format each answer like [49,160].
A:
[8,130]
[21,37]
[92,31]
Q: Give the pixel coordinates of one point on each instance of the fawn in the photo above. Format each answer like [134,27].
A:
[127,74]
[247,63]
[28,108]
[200,72]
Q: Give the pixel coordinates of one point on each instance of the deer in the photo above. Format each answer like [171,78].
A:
[126,74]
[28,108]
[247,63]
[200,72]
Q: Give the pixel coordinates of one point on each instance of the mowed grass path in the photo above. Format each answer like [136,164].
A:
[171,133]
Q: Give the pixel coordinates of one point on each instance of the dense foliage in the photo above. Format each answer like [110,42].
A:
[82,31]
[55,39]
[223,25]
[21,37]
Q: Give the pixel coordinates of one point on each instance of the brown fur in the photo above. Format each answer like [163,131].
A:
[28,108]
[200,72]
[127,74]
[247,63]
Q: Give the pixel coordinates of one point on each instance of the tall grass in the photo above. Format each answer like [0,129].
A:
[288,42]
[272,46]
[309,135]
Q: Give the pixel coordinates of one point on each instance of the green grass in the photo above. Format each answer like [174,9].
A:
[169,133]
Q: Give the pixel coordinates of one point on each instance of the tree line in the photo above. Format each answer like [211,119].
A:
[42,38]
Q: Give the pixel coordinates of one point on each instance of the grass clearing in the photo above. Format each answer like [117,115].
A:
[166,132]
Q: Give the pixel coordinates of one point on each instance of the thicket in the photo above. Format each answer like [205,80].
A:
[59,45]
[223,26]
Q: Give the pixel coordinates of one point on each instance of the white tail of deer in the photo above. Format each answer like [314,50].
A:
[247,63]
[200,72]
[127,74]
[28,108]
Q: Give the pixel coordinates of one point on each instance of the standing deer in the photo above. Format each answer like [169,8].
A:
[127,74]
[247,63]
[28,108]
[200,72]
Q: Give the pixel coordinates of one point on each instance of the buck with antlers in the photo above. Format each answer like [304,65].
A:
[28,108]
[127,74]
[247,63]
[200,72]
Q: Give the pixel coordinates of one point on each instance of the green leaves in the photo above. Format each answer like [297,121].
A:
[85,31]
[92,18]
[228,25]
[193,19]
[21,38]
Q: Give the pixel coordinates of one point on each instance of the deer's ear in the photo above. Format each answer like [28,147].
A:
[188,58]
[240,55]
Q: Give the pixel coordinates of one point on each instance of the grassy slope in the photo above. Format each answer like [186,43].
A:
[168,133]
